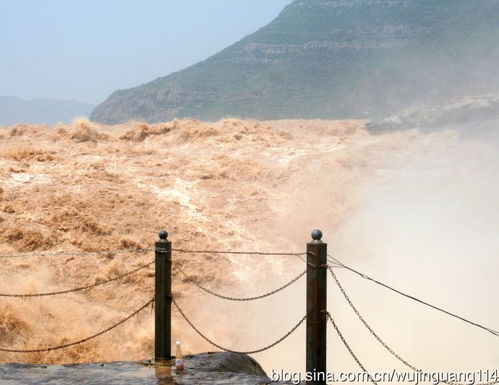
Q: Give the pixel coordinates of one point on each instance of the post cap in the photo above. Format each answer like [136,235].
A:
[163,234]
[316,235]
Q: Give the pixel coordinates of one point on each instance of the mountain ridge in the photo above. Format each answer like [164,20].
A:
[331,59]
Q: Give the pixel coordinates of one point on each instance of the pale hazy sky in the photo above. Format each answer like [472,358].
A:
[86,49]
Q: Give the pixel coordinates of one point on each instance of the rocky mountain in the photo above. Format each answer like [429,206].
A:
[15,110]
[332,59]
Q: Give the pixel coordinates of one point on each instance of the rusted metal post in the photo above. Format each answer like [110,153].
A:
[316,309]
[163,298]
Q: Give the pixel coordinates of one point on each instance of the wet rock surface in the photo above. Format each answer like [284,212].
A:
[206,368]
[464,111]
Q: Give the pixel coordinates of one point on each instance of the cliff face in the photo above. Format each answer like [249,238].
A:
[332,59]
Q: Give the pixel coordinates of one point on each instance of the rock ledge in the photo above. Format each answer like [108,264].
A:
[205,368]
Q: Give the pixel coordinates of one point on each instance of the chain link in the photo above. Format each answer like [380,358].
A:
[82,340]
[384,344]
[56,253]
[193,281]
[233,351]
[368,327]
[121,251]
[77,288]
[233,252]
[365,276]
[350,349]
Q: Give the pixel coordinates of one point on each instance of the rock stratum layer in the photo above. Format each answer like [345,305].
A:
[332,59]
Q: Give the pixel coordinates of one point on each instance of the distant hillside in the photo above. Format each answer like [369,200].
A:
[15,110]
[332,59]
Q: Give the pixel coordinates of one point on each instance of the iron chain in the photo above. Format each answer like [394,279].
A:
[77,288]
[384,344]
[350,349]
[234,252]
[234,351]
[364,322]
[121,251]
[365,276]
[82,340]
[193,281]
[56,253]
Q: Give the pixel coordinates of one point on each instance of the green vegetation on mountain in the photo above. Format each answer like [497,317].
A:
[332,59]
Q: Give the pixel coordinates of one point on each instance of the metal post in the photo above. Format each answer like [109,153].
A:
[163,298]
[316,309]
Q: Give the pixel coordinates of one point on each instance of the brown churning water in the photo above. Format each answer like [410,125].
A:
[417,210]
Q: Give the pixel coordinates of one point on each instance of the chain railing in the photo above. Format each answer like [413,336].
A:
[77,289]
[350,350]
[446,312]
[63,253]
[240,299]
[383,343]
[232,252]
[150,302]
[211,342]
[317,262]
[364,322]
[63,346]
